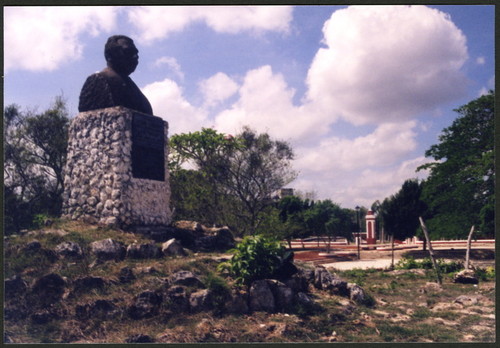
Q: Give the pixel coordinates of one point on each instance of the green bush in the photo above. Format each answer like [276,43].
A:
[256,257]
[485,274]
[409,262]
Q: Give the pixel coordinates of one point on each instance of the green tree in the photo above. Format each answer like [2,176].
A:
[198,194]
[35,148]
[400,212]
[460,188]
[240,174]
[260,167]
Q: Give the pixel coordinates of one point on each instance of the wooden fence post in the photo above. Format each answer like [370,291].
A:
[431,252]
[469,242]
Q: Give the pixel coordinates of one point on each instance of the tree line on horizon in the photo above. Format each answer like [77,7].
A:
[218,179]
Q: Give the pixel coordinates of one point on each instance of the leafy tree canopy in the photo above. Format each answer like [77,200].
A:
[460,188]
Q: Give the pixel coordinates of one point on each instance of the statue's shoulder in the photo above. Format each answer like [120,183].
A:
[96,93]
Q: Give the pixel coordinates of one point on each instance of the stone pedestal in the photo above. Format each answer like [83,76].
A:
[116,171]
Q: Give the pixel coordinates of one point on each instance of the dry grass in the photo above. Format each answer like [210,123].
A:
[406,309]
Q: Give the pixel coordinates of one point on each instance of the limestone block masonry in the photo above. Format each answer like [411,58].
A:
[99,180]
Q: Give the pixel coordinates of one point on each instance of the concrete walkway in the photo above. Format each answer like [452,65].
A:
[361,264]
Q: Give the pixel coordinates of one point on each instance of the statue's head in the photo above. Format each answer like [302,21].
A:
[121,54]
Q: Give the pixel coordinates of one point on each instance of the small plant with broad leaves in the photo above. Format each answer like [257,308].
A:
[256,257]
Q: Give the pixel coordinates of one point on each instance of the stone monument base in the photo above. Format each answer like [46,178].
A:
[116,171]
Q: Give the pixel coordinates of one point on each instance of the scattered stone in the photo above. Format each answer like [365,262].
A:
[188,225]
[15,286]
[88,283]
[126,275]
[283,295]
[340,287]
[177,299]
[298,283]
[431,287]
[215,239]
[238,303]
[143,251]
[261,297]
[466,300]
[108,249]
[322,278]
[43,317]
[69,249]
[146,305]
[101,309]
[33,246]
[48,289]
[304,301]
[417,271]
[139,338]
[145,270]
[200,301]
[357,294]
[466,276]
[186,278]
[173,247]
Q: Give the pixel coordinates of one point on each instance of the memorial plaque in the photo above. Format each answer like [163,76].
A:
[148,147]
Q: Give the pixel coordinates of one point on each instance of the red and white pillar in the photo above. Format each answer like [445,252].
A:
[370,228]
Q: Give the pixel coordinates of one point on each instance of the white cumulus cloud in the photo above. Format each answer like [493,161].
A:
[217,88]
[266,104]
[172,64]
[168,102]
[387,63]
[43,38]
[156,22]
[389,143]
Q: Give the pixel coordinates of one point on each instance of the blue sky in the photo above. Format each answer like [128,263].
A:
[360,92]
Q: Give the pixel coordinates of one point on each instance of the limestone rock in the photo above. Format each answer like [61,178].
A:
[33,246]
[143,251]
[88,283]
[304,301]
[173,247]
[15,286]
[215,239]
[466,276]
[186,278]
[283,295]
[322,278]
[69,249]
[99,309]
[466,300]
[261,297]
[48,289]
[108,249]
[200,301]
[177,299]
[43,316]
[189,225]
[339,287]
[139,338]
[237,303]
[356,293]
[146,305]
[126,275]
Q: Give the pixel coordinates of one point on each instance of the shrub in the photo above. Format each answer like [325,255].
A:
[445,267]
[485,274]
[407,262]
[256,257]
[219,289]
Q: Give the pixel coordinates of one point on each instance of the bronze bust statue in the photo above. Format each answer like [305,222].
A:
[112,86]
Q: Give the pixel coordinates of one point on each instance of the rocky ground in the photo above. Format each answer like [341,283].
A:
[77,283]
